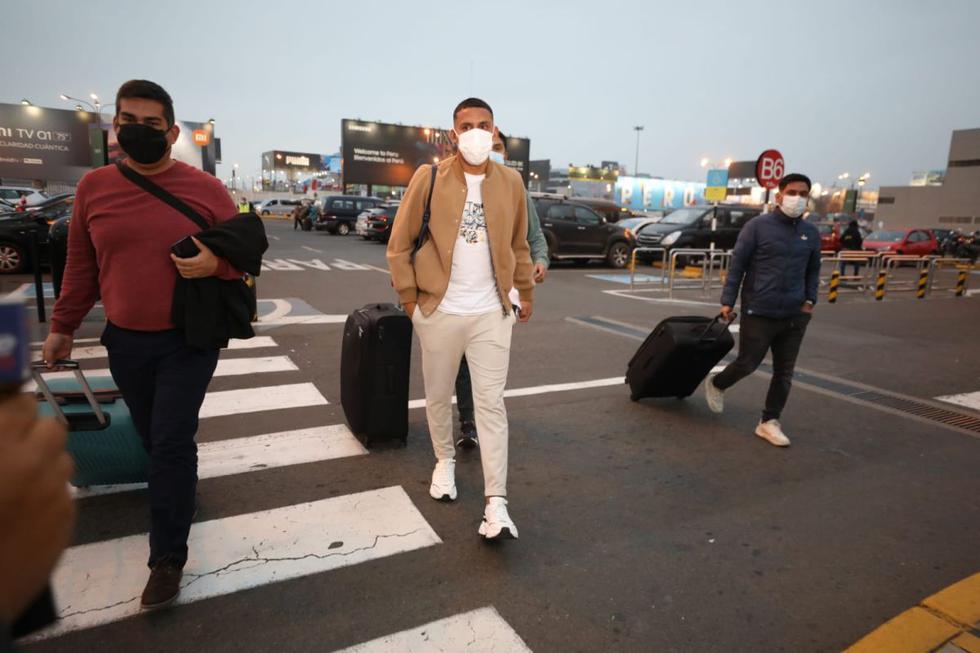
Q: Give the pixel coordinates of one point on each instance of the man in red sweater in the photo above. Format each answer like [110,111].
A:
[119,248]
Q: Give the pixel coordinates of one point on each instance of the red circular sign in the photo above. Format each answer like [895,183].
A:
[769,168]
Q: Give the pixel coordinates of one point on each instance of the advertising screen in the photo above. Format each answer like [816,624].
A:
[388,155]
[194,146]
[657,194]
[41,143]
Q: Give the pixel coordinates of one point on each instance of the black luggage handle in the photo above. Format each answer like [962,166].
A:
[37,372]
[718,318]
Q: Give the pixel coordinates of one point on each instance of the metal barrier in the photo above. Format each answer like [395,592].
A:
[866,263]
[708,258]
[891,262]
[663,267]
[961,266]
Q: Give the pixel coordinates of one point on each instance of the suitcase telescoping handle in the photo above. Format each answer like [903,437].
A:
[38,368]
[718,318]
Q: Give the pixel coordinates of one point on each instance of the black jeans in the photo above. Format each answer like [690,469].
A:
[464,393]
[756,337]
[163,380]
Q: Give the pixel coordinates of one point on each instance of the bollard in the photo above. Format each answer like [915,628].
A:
[923,284]
[961,283]
[834,285]
[880,286]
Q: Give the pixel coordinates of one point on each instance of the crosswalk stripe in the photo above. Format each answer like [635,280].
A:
[227,457]
[257,342]
[969,399]
[226,367]
[254,400]
[287,320]
[544,389]
[478,631]
[101,582]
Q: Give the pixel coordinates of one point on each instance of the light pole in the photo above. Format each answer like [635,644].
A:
[636,161]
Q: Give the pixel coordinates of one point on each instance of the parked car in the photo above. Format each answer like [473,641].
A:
[575,231]
[917,242]
[830,235]
[338,213]
[611,211]
[690,228]
[277,206]
[15,240]
[12,194]
[379,221]
[636,224]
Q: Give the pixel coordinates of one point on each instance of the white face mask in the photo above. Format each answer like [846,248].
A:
[793,206]
[475,145]
[497,157]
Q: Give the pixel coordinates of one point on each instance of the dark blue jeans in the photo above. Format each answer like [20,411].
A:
[163,380]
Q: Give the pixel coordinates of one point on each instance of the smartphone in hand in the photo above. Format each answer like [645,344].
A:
[185,248]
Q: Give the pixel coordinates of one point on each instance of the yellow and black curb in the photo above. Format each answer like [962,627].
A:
[946,622]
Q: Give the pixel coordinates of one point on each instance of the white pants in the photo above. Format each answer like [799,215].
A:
[485,340]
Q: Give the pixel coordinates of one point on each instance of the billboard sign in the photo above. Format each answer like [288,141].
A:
[194,146]
[42,143]
[643,194]
[383,154]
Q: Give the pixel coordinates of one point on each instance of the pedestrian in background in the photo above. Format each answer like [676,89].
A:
[776,266]
[852,241]
[453,277]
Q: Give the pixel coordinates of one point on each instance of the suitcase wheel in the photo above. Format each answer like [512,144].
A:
[634,397]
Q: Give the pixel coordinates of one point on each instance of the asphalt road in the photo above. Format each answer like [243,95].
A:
[650,526]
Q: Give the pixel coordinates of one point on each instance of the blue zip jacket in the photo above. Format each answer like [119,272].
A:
[776,264]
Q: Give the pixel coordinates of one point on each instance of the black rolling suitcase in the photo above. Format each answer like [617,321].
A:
[374,370]
[677,356]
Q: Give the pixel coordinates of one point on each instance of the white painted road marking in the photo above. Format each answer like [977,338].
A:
[545,389]
[969,399]
[226,367]
[101,582]
[479,631]
[227,457]
[302,319]
[313,249]
[86,353]
[255,400]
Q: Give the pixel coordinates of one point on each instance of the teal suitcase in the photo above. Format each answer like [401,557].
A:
[102,439]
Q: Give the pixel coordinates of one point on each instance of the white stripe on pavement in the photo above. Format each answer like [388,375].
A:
[969,399]
[226,367]
[255,400]
[101,582]
[227,457]
[479,631]
[545,389]
[85,353]
[302,319]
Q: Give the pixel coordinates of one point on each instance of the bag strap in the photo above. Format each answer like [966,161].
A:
[426,214]
[163,195]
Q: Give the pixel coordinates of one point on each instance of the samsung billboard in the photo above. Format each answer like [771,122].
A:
[46,144]
[382,154]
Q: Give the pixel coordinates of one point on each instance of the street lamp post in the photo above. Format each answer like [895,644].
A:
[636,161]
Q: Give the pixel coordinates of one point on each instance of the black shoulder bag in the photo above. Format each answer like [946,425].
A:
[426,214]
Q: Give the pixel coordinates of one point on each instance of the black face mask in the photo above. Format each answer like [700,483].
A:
[142,143]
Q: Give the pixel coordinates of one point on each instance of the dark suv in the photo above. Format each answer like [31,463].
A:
[574,231]
[338,213]
[690,228]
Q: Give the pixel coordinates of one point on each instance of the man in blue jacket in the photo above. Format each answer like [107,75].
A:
[776,263]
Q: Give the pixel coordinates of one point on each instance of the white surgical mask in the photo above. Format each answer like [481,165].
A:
[793,206]
[497,157]
[475,145]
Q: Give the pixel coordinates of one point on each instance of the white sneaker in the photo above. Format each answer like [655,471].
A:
[715,396]
[773,432]
[497,524]
[443,486]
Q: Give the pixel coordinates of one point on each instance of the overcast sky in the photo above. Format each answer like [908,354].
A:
[837,86]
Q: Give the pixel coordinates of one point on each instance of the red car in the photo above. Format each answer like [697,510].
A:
[829,236]
[917,242]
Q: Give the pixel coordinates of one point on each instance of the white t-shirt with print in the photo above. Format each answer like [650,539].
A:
[472,288]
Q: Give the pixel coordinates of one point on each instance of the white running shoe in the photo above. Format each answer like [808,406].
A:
[443,486]
[715,396]
[773,432]
[497,524]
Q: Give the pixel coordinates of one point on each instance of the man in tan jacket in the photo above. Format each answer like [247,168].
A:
[455,288]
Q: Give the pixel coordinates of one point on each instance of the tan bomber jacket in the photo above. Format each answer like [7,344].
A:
[505,207]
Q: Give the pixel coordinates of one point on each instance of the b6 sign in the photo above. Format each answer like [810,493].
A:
[769,169]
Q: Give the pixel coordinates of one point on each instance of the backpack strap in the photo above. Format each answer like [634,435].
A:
[163,195]
[426,214]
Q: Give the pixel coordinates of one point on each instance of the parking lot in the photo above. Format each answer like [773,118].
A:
[644,526]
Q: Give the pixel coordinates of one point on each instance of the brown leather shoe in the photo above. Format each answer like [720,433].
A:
[163,587]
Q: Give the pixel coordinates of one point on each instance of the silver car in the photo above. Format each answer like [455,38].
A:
[276,207]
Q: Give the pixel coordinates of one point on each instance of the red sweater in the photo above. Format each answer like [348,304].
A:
[119,244]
